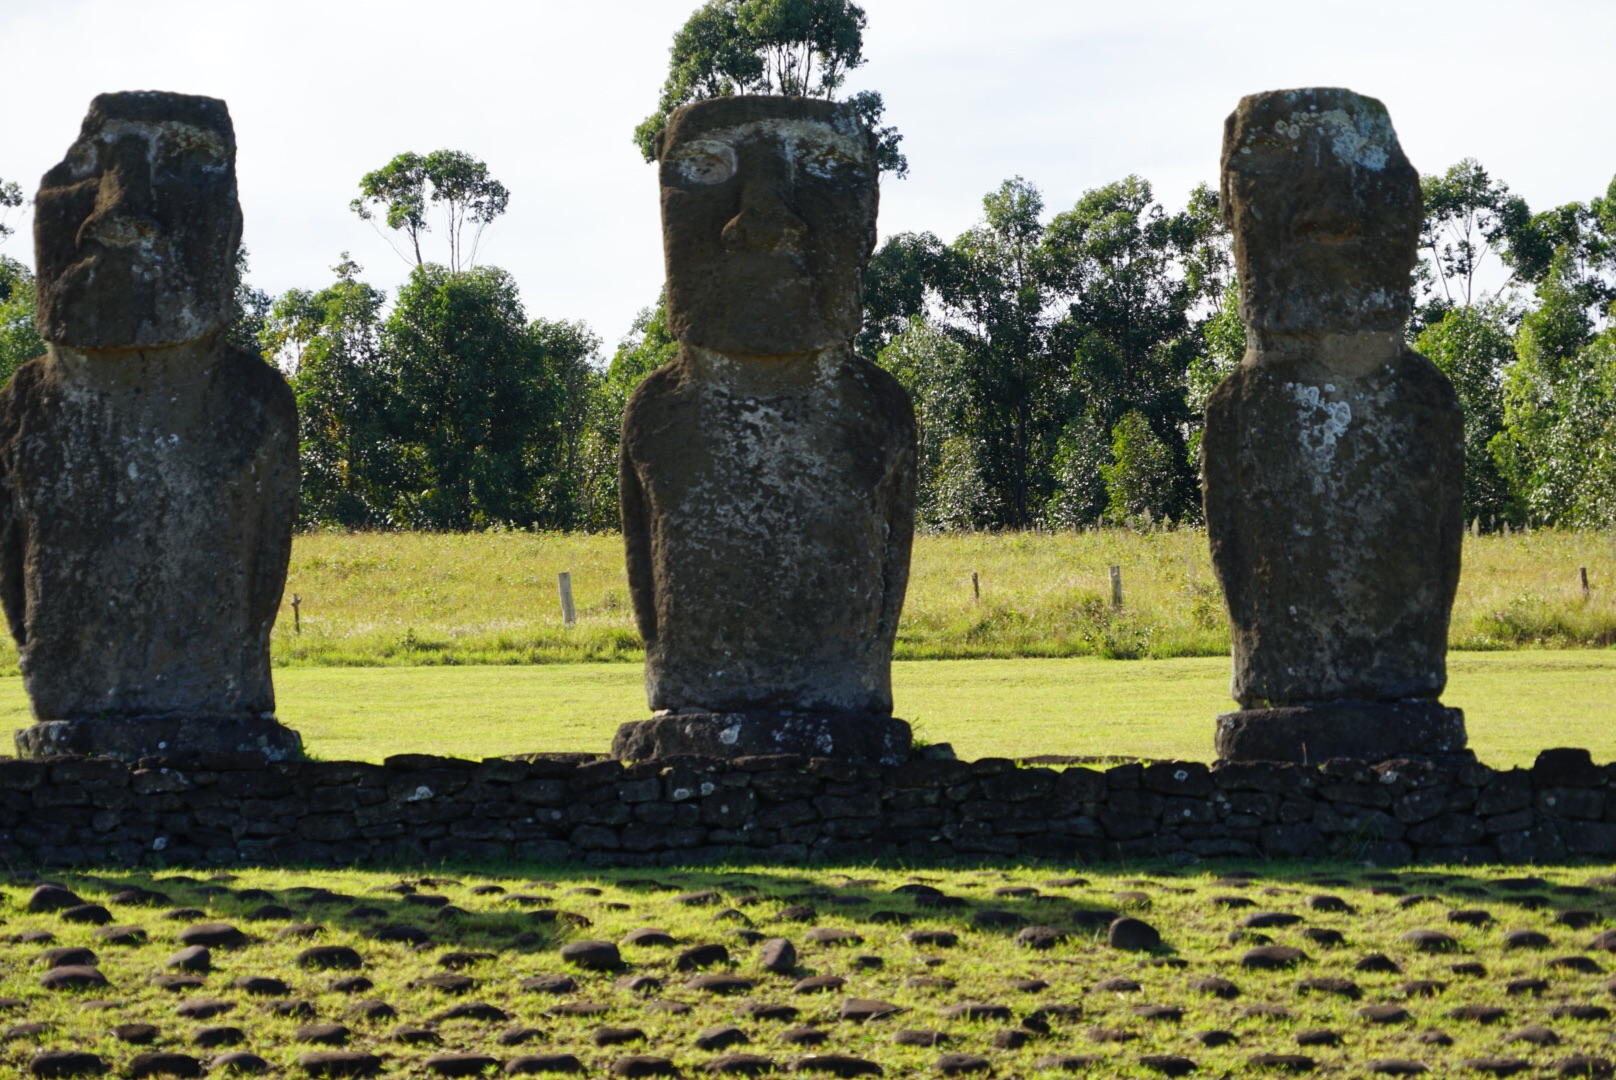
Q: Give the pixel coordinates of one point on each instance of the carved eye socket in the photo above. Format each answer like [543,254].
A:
[703,163]
[194,151]
[82,158]
[828,164]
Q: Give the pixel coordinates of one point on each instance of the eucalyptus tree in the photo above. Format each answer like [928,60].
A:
[409,187]
[796,48]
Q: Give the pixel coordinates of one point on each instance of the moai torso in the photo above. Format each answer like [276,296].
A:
[1329,500]
[148,470]
[768,473]
[144,533]
[769,528]
[1333,455]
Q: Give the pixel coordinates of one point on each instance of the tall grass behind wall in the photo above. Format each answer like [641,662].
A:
[491,598]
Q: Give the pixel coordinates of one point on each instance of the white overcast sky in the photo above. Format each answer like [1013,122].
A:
[1068,93]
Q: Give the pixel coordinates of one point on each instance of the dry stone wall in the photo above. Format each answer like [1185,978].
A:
[236,808]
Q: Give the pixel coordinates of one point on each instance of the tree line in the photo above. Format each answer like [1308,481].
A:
[1058,361]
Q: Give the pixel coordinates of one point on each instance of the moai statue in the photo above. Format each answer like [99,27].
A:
[148,469]
[767,472]
[1333,456]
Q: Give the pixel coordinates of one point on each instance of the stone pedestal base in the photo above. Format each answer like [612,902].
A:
[1366,730]
[135,737]
[855,739]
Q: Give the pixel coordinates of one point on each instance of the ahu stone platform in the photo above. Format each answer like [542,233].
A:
[581,809]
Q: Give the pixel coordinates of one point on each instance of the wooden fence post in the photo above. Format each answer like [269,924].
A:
[1116,586]
[1587,593]
[976,587]
[297,616]
[569,614]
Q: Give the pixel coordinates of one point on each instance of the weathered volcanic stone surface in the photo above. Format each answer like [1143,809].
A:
[767,472]
[870,738]
[1333,455]
[1367,730]
[148,470]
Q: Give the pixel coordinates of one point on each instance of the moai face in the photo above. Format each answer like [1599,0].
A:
[768,220]
[1325,210]
[135,232]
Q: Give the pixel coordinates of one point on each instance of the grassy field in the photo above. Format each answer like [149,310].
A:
[909,973]
[1516,703]
[419,598]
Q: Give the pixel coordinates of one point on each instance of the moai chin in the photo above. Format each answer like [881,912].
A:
[148,470]
[767,473]
[1333,455]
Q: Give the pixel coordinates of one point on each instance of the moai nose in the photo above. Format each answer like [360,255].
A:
[766,224]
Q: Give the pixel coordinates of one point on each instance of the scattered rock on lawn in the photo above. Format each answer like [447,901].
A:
[1272,957]
[191,958]
[1040,937]
[721,1037]
[701,956]
[66,1063]
[859,1010]
[72,977]
[636,1065]
[592,955]
[962,1064]
[1133,935]
[1213,986]
[241,1061]
[1293,1063]
[535,1064]
[46,898]
[1430,940]
[216,935]
[163,1063]
[340,1063]
[778,955]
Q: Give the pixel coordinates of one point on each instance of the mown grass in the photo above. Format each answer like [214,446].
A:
[1516,703]
[1063,1001]
[408,599]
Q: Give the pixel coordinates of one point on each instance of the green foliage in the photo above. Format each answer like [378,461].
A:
[249,309]
[795,48]
[471,404]
[932,368]
[1064,328]
[1143,471]
[1223,339]
[1081,459]
[330,343]
[451,412]
[1468,215]
[11,197]
[1472,345]
[19,338]
[647,347]
[895,285]
[572,353]
[451,180]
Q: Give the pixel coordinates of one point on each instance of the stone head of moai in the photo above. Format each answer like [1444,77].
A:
[135,232]
[768,221]
[1325,212]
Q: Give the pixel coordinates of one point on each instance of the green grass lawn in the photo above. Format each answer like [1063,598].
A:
[1008,968]
[1516,702]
